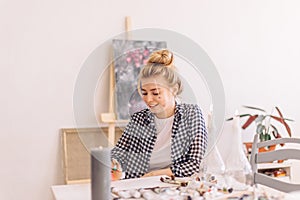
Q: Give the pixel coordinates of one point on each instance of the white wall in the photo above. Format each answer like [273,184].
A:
[254,44]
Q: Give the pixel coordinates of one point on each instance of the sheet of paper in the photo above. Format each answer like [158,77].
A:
[147,182]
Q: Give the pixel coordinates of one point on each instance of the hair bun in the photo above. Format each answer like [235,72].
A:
[163,57]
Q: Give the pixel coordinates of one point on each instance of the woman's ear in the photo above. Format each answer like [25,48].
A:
[175,90]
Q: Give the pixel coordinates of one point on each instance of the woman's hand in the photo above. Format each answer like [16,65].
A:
[159,172]
[116,170]
[153,173]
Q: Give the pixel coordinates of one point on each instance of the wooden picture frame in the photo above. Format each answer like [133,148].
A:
[76,143]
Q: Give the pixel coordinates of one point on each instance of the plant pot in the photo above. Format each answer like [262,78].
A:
[267,149]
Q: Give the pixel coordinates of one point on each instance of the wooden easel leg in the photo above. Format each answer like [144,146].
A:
[111,134]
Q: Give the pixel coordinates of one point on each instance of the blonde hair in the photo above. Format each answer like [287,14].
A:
[160,63]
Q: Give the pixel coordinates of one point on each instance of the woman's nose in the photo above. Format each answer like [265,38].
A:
[148,98]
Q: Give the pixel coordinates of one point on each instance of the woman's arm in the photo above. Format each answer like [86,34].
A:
[189,163]
[120,152]
[166,171]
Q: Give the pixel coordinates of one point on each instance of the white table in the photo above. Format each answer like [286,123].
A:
[83,191]
[74,192]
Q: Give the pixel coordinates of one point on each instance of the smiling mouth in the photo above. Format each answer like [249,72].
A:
[152,106]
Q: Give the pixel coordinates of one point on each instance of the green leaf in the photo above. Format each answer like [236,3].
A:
[243,115]
[262,137]
[254,108]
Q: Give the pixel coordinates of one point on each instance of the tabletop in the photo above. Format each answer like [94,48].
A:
[83,191]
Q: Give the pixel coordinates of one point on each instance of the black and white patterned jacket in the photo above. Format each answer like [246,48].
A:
[188,143]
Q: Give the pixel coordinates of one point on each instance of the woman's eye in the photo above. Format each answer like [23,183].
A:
[144,94]
[155,94]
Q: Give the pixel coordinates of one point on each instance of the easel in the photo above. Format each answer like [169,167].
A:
[110,117]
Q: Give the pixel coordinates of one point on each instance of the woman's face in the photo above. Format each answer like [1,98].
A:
[158,96]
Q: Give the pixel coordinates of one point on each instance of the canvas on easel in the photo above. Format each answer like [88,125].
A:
[129,57]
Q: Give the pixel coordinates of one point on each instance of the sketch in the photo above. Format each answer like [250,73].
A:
[129,57]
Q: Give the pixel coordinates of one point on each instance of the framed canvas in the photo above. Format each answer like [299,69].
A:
[76,144]
[129,57]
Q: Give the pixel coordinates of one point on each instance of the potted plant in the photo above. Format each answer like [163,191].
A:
[264,124]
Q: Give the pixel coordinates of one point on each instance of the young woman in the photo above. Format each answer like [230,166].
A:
[166,138]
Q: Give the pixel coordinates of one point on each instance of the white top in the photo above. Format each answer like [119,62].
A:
[161,155]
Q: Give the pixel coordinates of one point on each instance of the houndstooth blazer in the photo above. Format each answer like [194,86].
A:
[188,142]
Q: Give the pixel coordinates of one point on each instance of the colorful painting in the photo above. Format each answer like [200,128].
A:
[129,57]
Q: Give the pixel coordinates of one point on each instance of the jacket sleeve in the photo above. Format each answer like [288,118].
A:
[189,163]
[122,148]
